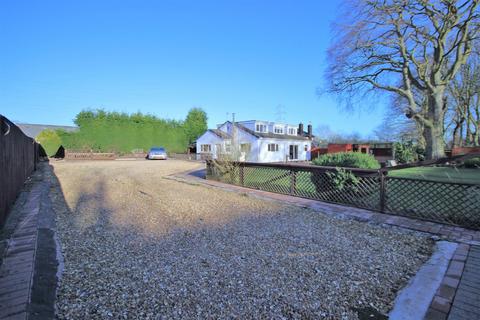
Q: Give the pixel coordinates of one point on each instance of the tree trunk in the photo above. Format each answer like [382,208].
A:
[420,136]
[456,136]
[469,135]
[476,134]
[435,147]
[434,131]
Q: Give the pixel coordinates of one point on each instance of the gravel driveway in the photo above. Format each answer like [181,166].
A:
[137,246]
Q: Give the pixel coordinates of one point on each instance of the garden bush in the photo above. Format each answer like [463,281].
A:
[406,152]
[50,141]
[348,160]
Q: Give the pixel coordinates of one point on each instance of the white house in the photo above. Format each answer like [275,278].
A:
[258,141]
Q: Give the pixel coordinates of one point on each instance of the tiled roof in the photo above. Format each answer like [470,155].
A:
[220,133]
[224,135]
[32,130]
[272,135]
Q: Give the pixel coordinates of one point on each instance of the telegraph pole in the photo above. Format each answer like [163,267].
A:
[233,147]
[280,113]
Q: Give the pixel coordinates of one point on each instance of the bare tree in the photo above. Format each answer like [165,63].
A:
[398,125]
[398,46]
[464,92]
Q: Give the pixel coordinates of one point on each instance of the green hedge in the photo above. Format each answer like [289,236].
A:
[348,160]
[124,136]
[106,131]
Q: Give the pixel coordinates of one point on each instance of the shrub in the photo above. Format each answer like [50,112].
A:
[348,159]
[343,179]
[406,152]
[472,163]
[50,141]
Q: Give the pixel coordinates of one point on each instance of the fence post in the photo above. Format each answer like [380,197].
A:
[207,170]
[382,190]
[35,151]
[242,177]
[293,181]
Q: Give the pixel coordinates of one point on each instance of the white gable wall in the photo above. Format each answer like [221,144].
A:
[226,127]
[212,139]
[245,137]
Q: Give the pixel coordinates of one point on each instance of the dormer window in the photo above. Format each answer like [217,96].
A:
[292,131]
[261,127]
[278,130]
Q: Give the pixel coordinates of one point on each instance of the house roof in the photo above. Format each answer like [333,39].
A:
[32,130]
[220,133]
[271,135]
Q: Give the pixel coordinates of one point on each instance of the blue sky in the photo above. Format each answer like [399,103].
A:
[164,57]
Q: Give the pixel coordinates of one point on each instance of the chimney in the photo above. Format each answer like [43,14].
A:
[309,131]
[300,129]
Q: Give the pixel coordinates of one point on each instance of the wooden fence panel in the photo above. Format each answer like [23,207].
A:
[18,158]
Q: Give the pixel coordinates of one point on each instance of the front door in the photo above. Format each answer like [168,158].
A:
[293,154]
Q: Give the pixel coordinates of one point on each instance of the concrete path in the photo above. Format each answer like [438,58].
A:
[415,298]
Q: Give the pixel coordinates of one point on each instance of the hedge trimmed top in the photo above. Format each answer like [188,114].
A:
[107,131]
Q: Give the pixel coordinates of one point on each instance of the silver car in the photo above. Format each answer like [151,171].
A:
[157,153]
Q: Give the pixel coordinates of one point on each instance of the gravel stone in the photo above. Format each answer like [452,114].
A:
[136,245]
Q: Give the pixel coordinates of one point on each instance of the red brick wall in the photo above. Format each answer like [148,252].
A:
[465,150]
[315,152]
[339,147]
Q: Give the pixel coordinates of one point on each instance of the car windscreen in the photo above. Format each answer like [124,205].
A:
[158,149]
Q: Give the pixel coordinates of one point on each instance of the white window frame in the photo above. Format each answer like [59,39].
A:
[245,147]
[279,129]
[228,146]
[292,131]
[295,147]
[261,127]
[272,147]
[204,147]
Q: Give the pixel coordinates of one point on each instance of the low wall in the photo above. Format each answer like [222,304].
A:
[74,155]
[465,150]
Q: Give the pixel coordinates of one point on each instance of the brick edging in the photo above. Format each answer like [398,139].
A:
[442,301]
[28,271]
[442,231]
